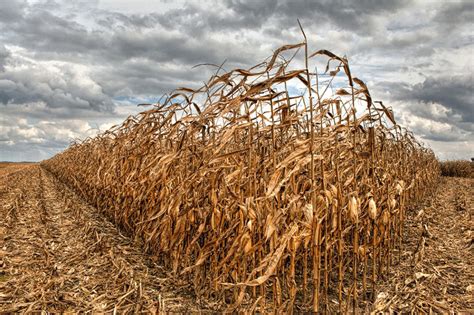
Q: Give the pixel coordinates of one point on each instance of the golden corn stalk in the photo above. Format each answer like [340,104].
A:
[268,188]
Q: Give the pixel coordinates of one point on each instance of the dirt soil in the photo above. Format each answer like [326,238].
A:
[436,268]
[57,253]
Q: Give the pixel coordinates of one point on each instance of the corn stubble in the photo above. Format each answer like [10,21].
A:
[263,197]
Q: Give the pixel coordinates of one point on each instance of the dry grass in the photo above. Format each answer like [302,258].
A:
[263,198]
[457,168]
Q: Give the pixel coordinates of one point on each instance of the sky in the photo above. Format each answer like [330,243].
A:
[71,69]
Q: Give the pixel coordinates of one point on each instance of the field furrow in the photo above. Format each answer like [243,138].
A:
[435,272]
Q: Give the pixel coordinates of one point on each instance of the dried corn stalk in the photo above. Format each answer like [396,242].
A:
[266,187]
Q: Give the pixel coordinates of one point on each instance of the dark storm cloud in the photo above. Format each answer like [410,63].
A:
[148,78]
[350,15]
[164,47]
[114,19]
[129,55]
[443,137]
[4,54]
[11,11]
[125,37]
[68,65]
[57,87]
[274,16]
[453,14]
[454,93]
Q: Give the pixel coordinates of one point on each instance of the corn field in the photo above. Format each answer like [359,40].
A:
[457,168]
[275,188]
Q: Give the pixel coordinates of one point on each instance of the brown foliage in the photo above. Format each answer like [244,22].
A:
[457,168]
[256,193]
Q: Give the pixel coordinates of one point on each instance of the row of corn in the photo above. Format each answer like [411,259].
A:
[275,188]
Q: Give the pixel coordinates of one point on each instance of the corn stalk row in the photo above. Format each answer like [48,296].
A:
[268,188]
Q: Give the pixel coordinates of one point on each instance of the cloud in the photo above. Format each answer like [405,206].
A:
[4,54]
[430,129]
[71,66]
[347,15]
[41,138]
[11,11]
[454,93]
[457,13]
[58,85]
[451,95]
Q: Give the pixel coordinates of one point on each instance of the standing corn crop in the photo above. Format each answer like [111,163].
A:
[268,188]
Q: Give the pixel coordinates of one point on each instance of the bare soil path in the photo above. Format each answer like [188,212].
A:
[436,271]
[59,254]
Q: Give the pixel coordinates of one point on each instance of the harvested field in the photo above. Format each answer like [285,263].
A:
[8,167]
[57,254]
[435,273]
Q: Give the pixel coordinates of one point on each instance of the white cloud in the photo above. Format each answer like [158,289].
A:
[70,68]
